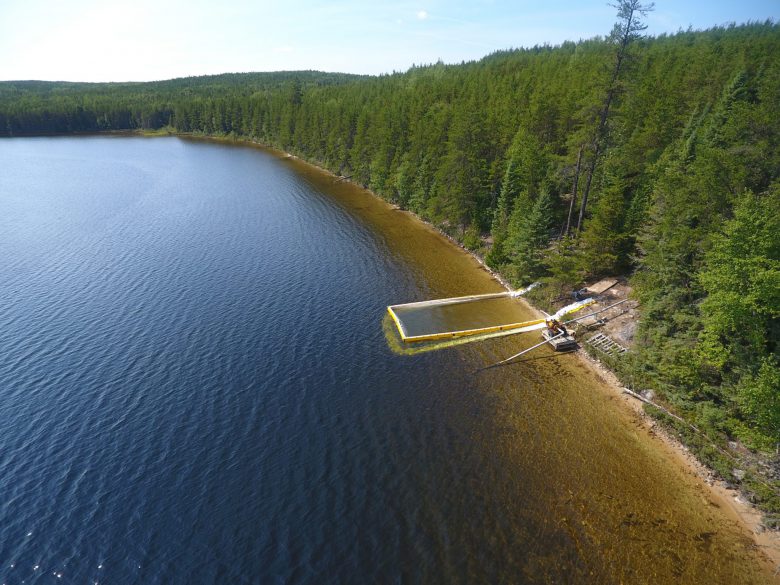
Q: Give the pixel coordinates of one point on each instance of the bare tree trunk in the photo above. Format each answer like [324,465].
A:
[584,204]
[574,192]
[600,131]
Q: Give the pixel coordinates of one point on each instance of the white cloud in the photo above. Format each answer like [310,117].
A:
[422,15]
[283,49]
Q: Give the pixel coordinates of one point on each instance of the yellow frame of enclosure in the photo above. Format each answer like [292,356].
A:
[464,332]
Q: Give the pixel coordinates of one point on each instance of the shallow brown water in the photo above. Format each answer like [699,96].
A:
[608,502]
[196,386]
[446,318]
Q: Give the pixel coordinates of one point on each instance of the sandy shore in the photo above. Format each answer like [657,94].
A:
[736,509]
[729,500]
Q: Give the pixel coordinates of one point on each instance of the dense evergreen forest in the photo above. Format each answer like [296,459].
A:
[656,158]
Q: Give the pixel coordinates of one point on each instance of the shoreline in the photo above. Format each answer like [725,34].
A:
[736,508]
[744,514]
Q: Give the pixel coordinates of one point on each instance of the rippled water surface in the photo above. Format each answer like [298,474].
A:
[196,387]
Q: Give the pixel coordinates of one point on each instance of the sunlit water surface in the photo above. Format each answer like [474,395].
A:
[196,386]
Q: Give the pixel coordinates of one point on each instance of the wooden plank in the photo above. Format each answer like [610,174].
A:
[601,286]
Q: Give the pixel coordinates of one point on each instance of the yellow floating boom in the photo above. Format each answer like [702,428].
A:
[466,332]
[519,327]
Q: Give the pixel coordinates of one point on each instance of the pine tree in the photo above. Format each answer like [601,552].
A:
[741,313]
[528,236]
[627,29]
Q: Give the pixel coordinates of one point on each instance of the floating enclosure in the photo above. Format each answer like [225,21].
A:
[461,317]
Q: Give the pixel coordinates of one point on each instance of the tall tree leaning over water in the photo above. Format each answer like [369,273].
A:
[627,29]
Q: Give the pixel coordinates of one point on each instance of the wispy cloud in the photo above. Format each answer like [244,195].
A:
[422,15]
[283,49]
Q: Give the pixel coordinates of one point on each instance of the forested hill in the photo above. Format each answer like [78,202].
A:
[656,157]
[54,107]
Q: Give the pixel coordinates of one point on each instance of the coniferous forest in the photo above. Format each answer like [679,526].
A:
[654,158]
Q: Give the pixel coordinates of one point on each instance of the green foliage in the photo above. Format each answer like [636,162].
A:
[742,281]
[471,239]
[462,184]
[759,396]
[741,313]
[604,239]
[498,255]
[687,134]
[564,264]
[527,236]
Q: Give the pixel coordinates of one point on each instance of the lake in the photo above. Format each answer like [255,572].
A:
[197,386]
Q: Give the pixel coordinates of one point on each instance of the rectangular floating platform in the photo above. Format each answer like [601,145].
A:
[460,317]
[565,343]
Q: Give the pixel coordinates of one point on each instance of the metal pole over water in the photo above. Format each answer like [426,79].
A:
[517,355]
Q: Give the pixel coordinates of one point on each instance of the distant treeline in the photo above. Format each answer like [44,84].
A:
[681,172]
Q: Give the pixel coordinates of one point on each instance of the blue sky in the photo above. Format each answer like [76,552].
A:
[105,40]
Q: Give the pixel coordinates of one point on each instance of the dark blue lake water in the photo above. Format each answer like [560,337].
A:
[196,387]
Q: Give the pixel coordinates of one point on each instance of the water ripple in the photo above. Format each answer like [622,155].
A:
[195,387]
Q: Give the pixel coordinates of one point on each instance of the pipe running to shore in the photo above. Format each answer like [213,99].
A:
[597,312]
[517,355]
